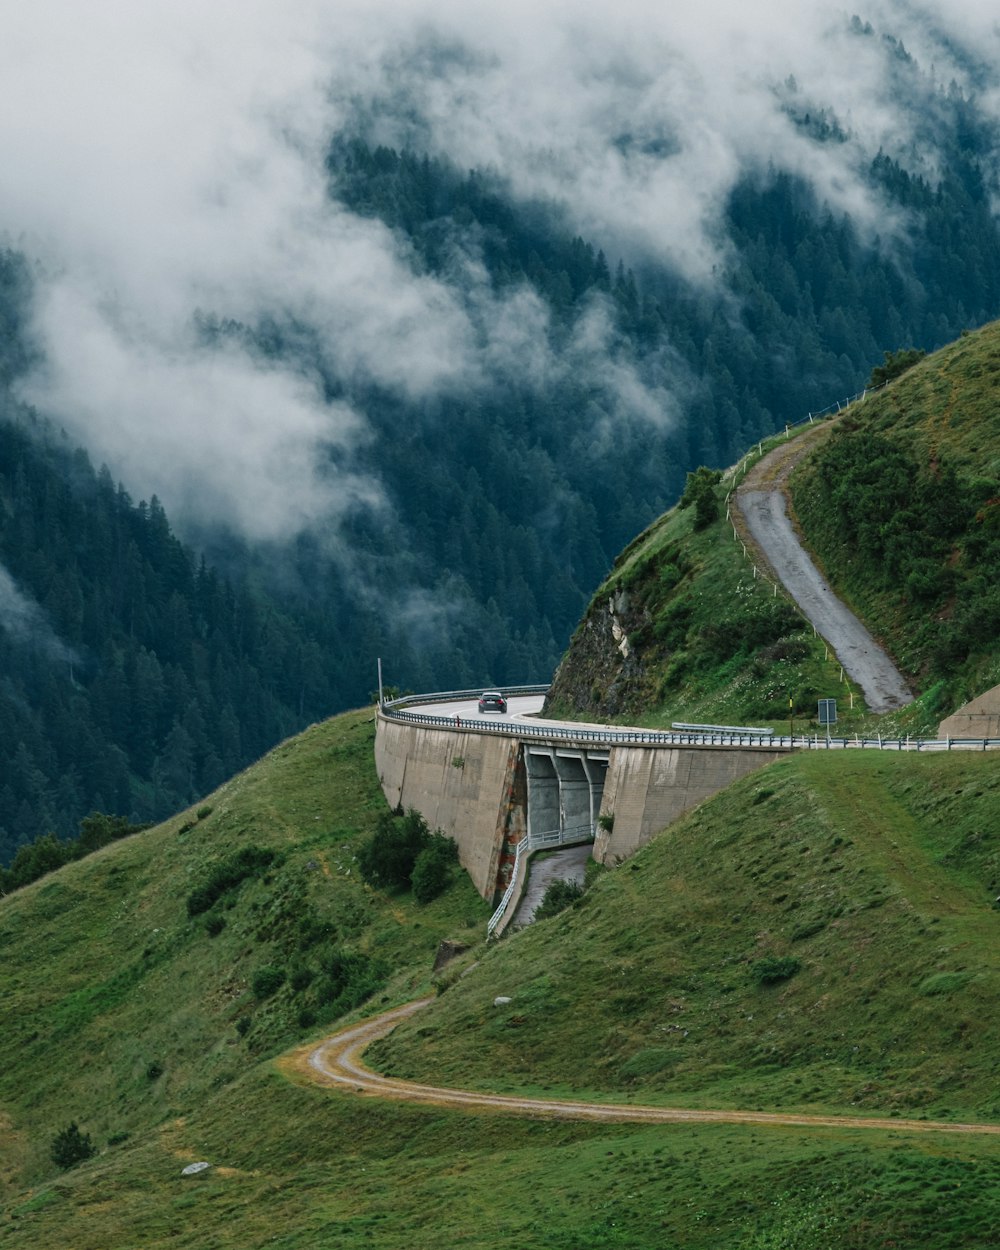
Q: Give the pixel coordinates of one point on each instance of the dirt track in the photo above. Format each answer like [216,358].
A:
[761,502]
[337,1062]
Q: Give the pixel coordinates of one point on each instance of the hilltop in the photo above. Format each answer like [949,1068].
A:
[897,499]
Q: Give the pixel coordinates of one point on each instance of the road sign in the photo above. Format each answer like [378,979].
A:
[827,711]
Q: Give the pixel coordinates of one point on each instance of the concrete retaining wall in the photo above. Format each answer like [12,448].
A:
[468,785]
[648,787]
[978,719]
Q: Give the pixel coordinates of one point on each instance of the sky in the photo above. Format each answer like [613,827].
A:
[163,164]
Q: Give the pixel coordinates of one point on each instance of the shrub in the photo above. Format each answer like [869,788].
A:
[227,875]
[943,983]
[301,978]
[896,364]
[267,981]
[559,896]
[774,968]
[214,925]
[432,870]
[347,979]
[243,1025]
[388,858]
[70,1147]
[154,1071]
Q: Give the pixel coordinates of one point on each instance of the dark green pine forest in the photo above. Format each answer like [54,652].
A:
[137,671]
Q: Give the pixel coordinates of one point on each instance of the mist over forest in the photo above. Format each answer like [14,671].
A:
[379,332]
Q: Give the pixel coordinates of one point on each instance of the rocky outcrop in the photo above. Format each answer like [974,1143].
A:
[603,674]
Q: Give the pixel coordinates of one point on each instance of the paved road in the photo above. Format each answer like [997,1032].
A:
[337,1062]
[762,502]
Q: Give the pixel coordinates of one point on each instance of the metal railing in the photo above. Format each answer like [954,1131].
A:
[526,846]
[520,851]
[608,735]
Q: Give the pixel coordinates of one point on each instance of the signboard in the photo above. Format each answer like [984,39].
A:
[827,711]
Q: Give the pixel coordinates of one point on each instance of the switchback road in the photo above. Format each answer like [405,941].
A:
[336,1062]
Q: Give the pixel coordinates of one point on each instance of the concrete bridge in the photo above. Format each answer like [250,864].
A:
[501,787]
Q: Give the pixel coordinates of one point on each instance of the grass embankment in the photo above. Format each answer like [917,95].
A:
[868,879]
[902,506]
[707,639]
[647,988]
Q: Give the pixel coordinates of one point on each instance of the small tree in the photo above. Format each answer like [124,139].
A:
[432,870]
[388,858]
[70,1147]
[700,491]
[895,364]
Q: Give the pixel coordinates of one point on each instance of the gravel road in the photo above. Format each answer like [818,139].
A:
[337,1062]
[761,501]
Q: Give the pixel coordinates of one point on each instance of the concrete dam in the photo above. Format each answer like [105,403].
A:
[498,786]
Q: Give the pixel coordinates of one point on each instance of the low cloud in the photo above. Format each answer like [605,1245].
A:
[24,621]
[165,163]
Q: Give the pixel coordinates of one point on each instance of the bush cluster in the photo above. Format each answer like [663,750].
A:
[403,854]
[558,896]
[48,852]
[252,861]
[774,968]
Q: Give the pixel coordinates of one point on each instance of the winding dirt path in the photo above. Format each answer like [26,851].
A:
[336,1062]
[761,514]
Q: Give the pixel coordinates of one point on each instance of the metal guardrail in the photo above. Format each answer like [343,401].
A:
[526,846]
[609,736]
[498,915]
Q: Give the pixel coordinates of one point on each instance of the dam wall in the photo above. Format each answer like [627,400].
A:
[648,787]
[469,785]
[475,788]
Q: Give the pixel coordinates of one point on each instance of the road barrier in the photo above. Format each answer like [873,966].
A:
[608,735]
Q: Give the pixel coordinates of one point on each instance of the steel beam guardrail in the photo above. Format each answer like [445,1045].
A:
[568,732]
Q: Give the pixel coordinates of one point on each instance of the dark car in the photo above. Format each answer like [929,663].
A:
[493,701]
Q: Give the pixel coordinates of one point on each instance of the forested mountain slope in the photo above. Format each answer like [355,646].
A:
[133,678]
[594,378]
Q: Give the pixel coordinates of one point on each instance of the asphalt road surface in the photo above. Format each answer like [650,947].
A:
[761,501]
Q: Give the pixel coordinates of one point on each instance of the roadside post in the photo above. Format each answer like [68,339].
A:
[827,715]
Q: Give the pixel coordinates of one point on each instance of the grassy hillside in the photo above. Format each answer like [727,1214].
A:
[902,506]
[876,873]
[123,1009]
[822,935]
[706,640]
